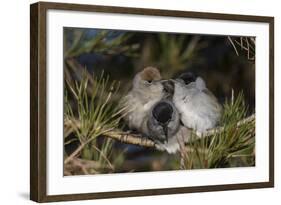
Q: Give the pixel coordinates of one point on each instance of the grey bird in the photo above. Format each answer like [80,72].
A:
[147,90]
[198,107]
[163,125]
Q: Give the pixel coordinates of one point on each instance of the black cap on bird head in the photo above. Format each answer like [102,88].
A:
[188,77]
[163,113]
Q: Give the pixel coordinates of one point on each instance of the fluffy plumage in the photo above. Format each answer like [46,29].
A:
[146,91]
[165,127]
[163,124]
[198,107]
[176,141]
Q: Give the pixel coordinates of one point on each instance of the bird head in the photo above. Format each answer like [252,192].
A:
[163,122]
[187,77]
[186,82]
[148,83]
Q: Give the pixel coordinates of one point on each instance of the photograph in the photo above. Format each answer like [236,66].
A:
[130,102]
[139,101]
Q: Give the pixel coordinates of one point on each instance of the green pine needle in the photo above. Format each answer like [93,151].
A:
[232,147]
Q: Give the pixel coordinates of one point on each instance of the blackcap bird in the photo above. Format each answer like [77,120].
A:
[163,125]
[198,107]
[146,91]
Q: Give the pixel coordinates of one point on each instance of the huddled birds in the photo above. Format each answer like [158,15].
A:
[166,111]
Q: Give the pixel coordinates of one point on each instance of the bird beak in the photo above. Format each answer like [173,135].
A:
[166,139]
[166,133]
[168,86]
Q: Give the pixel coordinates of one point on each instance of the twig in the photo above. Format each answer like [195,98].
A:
[221,129]
[134,139]
[103,156]
[73,154]
[131,139]
[124,137]
[249,47]
[233,45]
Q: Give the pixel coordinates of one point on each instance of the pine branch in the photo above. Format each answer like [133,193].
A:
[98,117]
[125,137]
[134,139]
[218,130]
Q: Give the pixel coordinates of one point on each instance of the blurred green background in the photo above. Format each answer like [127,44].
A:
[224,62]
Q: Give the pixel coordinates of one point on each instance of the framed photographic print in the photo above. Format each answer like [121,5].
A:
[134,102]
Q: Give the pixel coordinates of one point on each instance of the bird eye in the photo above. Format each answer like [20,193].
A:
[149,81]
